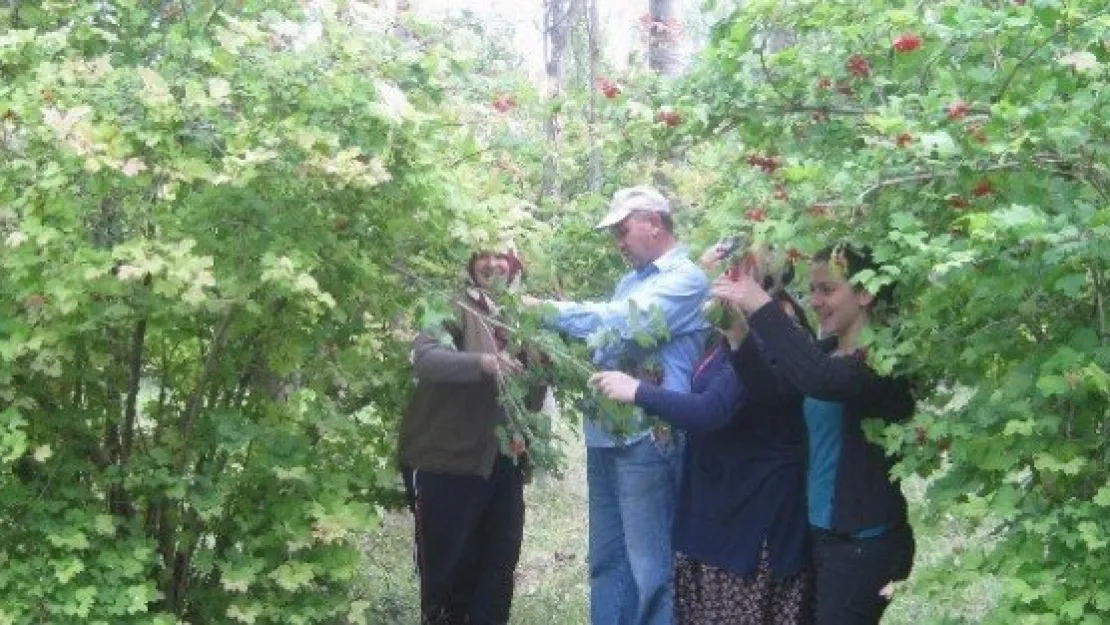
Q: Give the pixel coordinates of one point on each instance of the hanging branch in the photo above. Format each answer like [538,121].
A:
[929,176]
[428,286]
[215,350]
[1100,304]
[1037,48]
[767,74]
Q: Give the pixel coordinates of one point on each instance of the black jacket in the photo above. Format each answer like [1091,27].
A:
[866,496]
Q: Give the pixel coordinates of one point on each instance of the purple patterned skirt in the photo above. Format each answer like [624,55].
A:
[707,595]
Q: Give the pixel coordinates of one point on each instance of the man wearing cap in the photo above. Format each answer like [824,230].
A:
[633,479]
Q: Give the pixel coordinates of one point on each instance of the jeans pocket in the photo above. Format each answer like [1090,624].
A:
[663,440]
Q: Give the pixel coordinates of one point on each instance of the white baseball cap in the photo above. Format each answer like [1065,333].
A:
[634,200]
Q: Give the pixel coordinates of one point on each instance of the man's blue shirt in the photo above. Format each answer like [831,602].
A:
[674,284]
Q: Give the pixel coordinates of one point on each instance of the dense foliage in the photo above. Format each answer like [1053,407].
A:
[967,143]
[222,223]
[209,214]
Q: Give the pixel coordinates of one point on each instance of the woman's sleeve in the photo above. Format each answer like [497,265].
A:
[799,360]
[709,410]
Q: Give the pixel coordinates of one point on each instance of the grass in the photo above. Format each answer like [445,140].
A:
[552,586]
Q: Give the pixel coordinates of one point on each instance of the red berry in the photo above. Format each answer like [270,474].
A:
[976,132]
[757,214]
[958,110]
[957,201]
[769,164]
[517,446]
[820,210]
[608,87]
[794,255]
[904,139]
[670,117]
[859,66]
[824,82]
[907,42]
[983,188]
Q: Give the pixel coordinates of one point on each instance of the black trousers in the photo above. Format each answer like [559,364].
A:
[852,571]
[468,535]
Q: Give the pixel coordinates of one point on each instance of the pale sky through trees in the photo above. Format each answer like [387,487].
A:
[620,21]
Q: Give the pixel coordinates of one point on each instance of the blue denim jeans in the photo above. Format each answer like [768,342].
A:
[633,493]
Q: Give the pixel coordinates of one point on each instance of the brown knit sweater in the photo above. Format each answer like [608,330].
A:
[449,424]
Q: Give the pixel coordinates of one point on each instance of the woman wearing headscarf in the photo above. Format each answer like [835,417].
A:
[465,488]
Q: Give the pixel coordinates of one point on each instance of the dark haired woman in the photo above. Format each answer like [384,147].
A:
[740,532]
[862,540]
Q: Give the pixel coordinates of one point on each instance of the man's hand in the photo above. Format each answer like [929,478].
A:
[743,294]
[712,256]
[499,364]
[616,385]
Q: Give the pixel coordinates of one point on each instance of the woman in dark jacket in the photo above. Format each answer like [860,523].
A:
[862,539]
[740,531]
[466,492]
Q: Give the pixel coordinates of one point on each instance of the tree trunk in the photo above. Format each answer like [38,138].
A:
[593,25]
[557,21]
[663,38]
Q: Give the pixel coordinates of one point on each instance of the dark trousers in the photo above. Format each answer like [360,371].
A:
[468,535]
[852,571]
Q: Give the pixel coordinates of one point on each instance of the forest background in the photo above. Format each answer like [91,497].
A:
[223,220]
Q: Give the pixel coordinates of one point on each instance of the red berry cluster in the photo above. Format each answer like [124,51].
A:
[958,110]
[982,188]
[907,42]
[976,131]
[670,117]
[608,88]
[504,104]
[769,164]
[858,65]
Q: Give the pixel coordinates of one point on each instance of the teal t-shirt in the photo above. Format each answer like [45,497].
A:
[825,425]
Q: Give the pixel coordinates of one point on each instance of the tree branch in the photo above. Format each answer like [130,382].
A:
[135,366]
[215,350]
[485,318]
[1100,304]
[1024,59]
[767,74]
[928,176]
